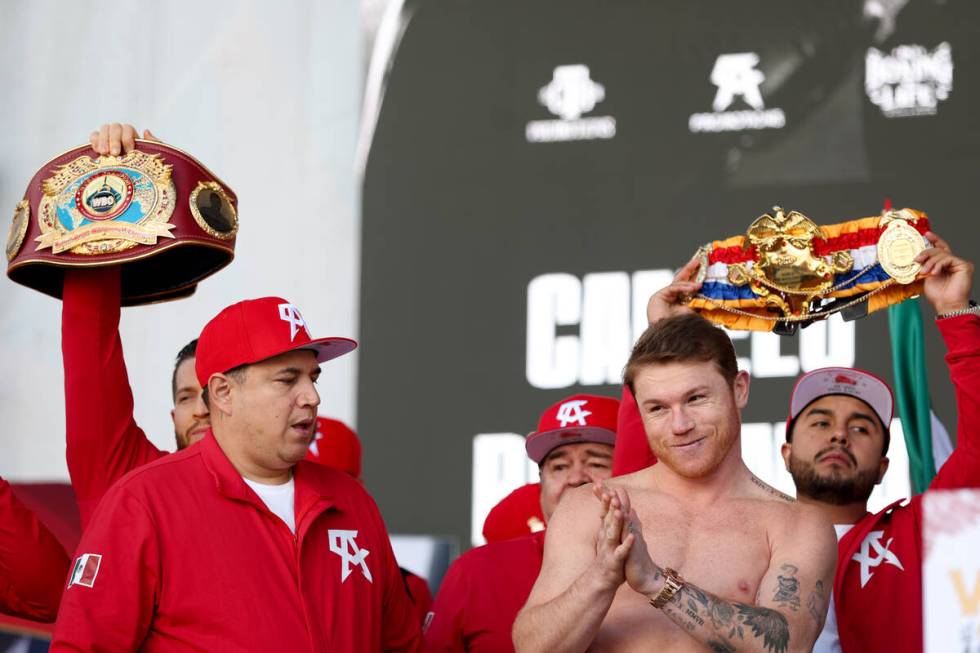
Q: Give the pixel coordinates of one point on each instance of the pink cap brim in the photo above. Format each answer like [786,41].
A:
[539,445]
[828,381]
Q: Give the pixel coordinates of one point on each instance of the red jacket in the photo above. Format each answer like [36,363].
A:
[878,587]
[192,560]
[103,441]
[33,565]
[481,595]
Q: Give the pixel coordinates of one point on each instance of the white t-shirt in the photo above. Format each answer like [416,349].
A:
[278,499]
[829,640]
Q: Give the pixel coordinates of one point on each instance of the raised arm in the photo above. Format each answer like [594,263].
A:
[579,577]
[790,605]
[103,440]
[949,281]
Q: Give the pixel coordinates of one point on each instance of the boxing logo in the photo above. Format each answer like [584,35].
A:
[735,75]
[342,543]
[571,412]
[863,557]
[289,313]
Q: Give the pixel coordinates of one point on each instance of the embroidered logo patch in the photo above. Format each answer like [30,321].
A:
[342,543]
[85,569]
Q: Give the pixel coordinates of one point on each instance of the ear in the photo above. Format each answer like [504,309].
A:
[786,450]
[740,389]
[172,418]
[882,468]
[220,389]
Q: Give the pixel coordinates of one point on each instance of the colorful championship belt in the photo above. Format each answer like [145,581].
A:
[156,211]
[787,272]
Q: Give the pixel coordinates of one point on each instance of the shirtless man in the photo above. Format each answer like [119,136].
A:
[727,562]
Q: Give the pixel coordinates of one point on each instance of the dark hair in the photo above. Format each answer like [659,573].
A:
[679,339]
[884,429]
[236,373]
[188,351]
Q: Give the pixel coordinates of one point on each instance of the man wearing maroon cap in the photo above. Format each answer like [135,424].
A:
[238,543]
[485,588]
[837,438]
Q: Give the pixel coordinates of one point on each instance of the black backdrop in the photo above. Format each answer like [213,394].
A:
[461,211]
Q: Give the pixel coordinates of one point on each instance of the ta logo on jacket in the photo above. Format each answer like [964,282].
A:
[85,569]
[882,554]
[342,543]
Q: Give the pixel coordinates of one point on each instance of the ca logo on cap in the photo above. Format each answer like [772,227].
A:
[573,412]
[289,313]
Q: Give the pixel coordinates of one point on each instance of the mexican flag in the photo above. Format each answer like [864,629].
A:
[926,439]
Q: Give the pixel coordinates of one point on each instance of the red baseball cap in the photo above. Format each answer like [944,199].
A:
[580,418]
[335,445]
[254,330]
[518,513]
[842,381]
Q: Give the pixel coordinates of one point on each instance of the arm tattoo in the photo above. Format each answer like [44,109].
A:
[770,489]
[817,603]
[693,609]
[788,594]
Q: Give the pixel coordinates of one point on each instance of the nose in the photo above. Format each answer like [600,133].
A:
[680,421]
[578,475]
[308,395]
[839,435]
[200,408]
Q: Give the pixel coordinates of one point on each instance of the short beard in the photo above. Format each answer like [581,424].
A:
[831,489]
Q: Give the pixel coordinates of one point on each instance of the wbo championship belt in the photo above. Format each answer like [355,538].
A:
[787,272]
[156,211]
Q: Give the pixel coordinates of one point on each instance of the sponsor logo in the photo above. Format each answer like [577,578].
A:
[739,84]
[342,543]
[570,94]
[873,553]
[289,313]
[911,80]
[85,570]
[573,412]
[840,378]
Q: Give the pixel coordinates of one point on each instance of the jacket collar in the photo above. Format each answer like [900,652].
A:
[311,487]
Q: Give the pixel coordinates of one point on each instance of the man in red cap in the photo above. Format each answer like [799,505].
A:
[33,564]
[837,439]
[103,441]
[238,543]
[485,588]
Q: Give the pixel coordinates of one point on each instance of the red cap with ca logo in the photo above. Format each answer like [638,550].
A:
[580,418]
[254,330]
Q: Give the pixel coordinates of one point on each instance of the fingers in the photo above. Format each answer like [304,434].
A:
[101,145]
[935,261]
[115,139]
[149,136]
[689,271]
[936,241]
[93,140]
[128,138]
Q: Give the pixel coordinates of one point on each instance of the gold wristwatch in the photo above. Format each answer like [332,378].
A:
[672,585]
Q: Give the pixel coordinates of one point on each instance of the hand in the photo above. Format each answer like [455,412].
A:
[614,540]
[672,300]
[948,279]
[642,573]
[116,139]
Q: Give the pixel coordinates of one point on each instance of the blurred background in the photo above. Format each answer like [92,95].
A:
[485,193]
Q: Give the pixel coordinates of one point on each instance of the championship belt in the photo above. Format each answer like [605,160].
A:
[156,211]
[787,272]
